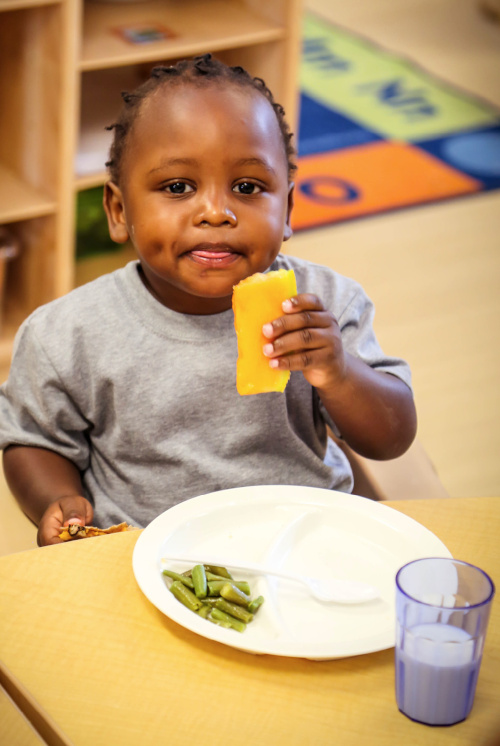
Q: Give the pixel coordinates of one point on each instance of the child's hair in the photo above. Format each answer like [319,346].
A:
[196,71]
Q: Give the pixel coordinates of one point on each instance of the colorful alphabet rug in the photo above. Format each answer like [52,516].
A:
[378,133]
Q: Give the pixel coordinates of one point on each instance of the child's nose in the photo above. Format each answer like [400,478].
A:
[215,210]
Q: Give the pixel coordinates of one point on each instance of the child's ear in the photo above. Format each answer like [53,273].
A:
[287,233]
[115,212]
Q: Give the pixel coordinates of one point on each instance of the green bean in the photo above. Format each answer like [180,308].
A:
[221,571]
[230,592]
[214,587]
[213,576]
[220,599]
[185,596]
[234,610]
[210,600]
[204,611]
[255,605]
[200,581]
[181,578]
[217,616]
[243,586]
[219,622]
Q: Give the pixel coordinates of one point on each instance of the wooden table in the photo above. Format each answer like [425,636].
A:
[15,728]
[91,662]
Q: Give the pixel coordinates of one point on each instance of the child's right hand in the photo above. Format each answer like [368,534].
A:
[62,512]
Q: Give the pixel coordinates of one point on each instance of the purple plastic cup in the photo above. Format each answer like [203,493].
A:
[442,609]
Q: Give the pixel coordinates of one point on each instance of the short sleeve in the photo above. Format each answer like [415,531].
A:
[35,408]
[352,308]
[359,339]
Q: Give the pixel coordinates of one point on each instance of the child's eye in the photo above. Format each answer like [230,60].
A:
[246,187]
[178,187]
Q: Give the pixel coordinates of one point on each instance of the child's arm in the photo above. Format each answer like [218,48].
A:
[48,488]
[373,410]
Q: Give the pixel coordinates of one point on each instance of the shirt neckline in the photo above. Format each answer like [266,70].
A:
[165,321]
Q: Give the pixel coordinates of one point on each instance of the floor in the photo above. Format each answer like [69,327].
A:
[434,271]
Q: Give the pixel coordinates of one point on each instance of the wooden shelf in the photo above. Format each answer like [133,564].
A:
[63,64]
[20,201]
[90,181]
[6,343]
[9,324]
[228,24]
[6,5]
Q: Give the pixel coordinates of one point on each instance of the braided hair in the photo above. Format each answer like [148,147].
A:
[196,71]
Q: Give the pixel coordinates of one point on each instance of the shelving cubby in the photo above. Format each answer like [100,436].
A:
[63,64]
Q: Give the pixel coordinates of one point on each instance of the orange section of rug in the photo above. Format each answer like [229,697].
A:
[371,178]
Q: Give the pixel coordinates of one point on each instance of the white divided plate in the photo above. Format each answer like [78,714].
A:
[304,530]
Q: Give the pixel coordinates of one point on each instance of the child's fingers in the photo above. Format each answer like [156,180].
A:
[306,338]
[62,512]
[50,527]
[300,320]
[299,308]
[303,301]
[303,342]
[76,510]
[304,360]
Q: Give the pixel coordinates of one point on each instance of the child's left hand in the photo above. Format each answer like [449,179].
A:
[307,338]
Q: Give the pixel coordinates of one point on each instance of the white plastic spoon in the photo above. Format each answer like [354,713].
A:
[332,590]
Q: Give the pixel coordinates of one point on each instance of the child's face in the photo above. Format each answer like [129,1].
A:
[204,196]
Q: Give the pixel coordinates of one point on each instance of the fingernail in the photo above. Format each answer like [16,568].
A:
[268,349]
[267,330]
[287,305]
[273,363]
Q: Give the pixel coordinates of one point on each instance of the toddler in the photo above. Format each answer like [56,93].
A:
[121,399]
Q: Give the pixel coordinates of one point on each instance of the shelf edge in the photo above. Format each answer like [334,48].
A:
[189,49]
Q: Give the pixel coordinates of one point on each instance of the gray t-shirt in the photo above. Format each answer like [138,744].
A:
[143,399]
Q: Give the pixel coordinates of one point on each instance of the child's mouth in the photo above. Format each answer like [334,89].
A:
[213,256]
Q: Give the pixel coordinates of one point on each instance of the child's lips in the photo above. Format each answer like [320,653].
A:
[213,255]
